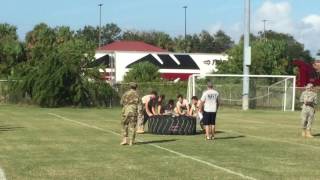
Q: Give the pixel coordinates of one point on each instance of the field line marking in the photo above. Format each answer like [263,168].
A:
[270,139]
[268,123]
[159,147]
[2,174]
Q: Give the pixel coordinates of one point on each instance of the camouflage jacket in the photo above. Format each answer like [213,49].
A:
[308,98]
[130,101]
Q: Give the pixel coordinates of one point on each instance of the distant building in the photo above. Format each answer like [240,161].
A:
[120,56]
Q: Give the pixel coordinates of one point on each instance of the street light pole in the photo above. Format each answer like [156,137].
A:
[185,26]
[100,5]
[185,21]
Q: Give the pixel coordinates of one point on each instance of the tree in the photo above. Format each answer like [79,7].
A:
[89,33]
[11,50]
[222,42]
[57,73]
[268,57]
[157,38]
[207,43]
[143,72]
[109,33]
[295,49]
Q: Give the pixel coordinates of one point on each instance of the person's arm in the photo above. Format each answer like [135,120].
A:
[153,109]
[190,111]
[202,100]
[159,109]
[122,99]
[188,106]
[302,98]
[218,103]
[147,108]
[201,106]
[178,108]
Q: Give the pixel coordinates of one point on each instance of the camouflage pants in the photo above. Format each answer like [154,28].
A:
[141,110]
[307,117]
[129,123]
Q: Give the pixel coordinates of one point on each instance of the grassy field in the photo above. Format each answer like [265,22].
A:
[67,143]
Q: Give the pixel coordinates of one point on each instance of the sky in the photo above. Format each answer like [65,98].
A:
[301,18]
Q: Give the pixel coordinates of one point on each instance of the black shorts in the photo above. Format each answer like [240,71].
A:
[209,118]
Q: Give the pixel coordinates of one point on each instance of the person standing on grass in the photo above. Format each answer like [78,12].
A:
[309,100]
[209,104]
[130,101]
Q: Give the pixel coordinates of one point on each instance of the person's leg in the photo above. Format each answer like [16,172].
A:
[207,127]
[133,123]
[310,119]
[206,124]
[140,128]
[124,130]
[304,122]
[213,126]
[210,131]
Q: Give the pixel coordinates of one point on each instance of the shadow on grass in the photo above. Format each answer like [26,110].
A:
[202,132]
[317,135]
[231,137]
[157,141]
[9,128]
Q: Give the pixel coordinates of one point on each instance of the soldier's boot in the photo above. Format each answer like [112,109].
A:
[303,133]
[140,130]
[124,141]
[131,142]
[308,134]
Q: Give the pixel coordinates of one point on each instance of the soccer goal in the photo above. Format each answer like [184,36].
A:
[265,91]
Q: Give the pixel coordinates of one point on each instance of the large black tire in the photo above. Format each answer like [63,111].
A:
[172,125]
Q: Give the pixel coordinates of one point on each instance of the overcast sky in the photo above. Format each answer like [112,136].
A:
[300,18]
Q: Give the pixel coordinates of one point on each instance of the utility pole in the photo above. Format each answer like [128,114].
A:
[264,27]
[100,5]
[185,22]
[246,57]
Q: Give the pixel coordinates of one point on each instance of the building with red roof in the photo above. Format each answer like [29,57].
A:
[137,46]
[120,56]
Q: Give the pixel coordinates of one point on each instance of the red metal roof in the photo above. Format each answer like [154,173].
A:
[131,46]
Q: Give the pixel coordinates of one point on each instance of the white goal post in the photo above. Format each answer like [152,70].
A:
[266,91]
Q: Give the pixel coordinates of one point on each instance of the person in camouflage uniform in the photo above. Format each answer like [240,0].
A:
[130,102]
[309,100]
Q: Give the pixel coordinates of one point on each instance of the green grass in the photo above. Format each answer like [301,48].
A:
[259,144]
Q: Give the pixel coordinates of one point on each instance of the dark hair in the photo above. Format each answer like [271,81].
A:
[179,96]
[171,101]
[194,98]
[154,93]
[162,96]
[133,87]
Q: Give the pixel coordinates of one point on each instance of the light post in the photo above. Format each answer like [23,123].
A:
[185,21]
[100,5]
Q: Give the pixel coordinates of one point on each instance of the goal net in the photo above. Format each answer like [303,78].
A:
[265,91]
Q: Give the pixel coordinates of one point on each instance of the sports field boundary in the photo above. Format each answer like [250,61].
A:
[158,147]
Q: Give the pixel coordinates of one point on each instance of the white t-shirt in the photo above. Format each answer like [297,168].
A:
[145,98]
[210,99]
